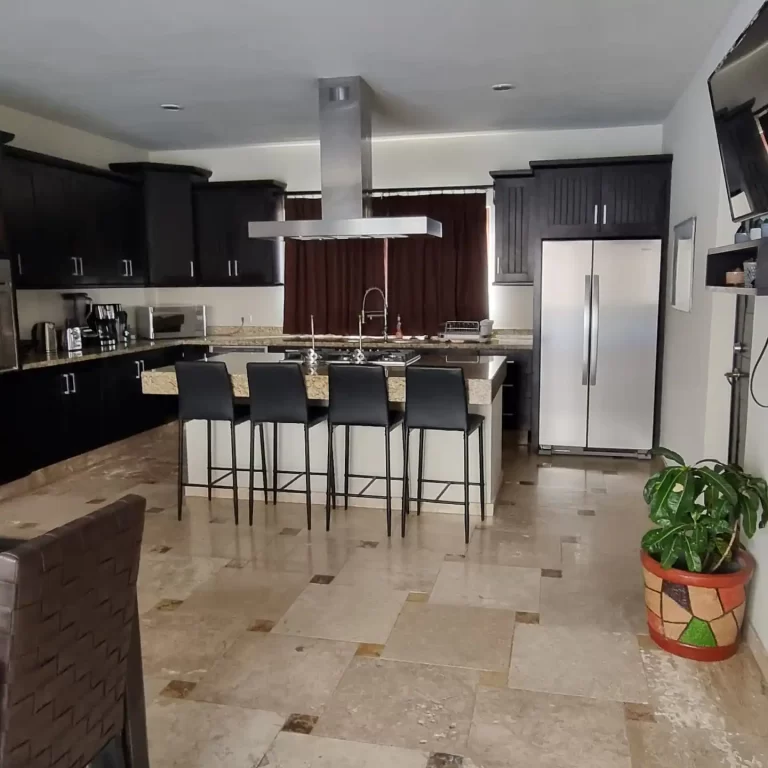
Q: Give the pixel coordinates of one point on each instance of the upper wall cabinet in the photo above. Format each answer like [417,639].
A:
[226,255]
[626,197]
[513,201]
[168,231]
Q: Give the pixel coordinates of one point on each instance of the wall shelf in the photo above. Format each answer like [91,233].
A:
[729,257]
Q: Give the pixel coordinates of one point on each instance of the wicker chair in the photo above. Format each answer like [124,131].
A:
[71,688]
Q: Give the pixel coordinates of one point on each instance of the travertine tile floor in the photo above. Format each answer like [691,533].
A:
[277,646]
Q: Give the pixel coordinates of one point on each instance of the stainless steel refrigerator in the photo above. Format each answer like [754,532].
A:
[599,322]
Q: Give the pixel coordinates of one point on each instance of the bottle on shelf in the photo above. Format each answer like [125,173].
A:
[399,330]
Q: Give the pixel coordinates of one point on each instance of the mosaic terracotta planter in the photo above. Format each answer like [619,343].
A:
[696,615]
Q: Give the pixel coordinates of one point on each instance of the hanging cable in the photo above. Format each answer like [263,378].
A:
[754,375]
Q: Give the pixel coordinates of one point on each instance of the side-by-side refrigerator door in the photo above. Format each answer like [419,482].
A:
[625,311]
[566,298]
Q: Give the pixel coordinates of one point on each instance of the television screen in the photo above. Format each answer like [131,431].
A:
[739,92]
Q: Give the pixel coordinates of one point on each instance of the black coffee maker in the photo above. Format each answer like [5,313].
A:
[104,321]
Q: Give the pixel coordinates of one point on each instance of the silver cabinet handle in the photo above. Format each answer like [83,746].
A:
[18,261]
[236,275]
[143,368]
[80,261]
[138,368]
[130,267]
[595,213]
[74,383]
[65,376]
[585,348]
[595,326]
[605,214]
[229,268]
[191,268]
[125,268]
[75,270]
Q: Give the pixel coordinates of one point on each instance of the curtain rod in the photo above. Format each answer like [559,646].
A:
[480,189]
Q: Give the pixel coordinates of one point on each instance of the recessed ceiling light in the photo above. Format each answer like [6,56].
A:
[172,107]
[503,87]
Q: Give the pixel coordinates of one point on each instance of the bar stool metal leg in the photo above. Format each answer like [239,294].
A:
[263,464]
[388,481]
[466,487]
[405,481]
[333,479]
[274,464]
[234,472]
[346,467]
[308,477]
[180,484]
[481,438]
[420,491]
[329,479]
[210,471]
[251,442]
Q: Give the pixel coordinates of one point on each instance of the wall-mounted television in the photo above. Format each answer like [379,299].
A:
[739,92]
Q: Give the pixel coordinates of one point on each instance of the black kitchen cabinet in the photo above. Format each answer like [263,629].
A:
[625,197]
[168,223]
[513,201]
[17,195]
[227,256]
[13,464]
[517,392]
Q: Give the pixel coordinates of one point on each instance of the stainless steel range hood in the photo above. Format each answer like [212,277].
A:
[345,175]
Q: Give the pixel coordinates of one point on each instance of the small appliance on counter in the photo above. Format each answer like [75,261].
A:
[165,322]
[104,322]
[44,337]
[71,339]
[467,330]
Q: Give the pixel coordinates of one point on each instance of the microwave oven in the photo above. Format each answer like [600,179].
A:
[166,322]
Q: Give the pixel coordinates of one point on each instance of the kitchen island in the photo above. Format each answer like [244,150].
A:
[443,455]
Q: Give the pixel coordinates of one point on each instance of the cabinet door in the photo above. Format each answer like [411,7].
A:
[43,398]
[568,202]
[83,410]
[123,407]
[17,194]
[513,198]
[15,457]
[169,229]
[256,260]
[215,235]
[633,200]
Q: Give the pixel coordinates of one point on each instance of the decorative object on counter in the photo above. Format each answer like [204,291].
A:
[682,265]
[399,330]
[750,272]
[694,566]
[735,277]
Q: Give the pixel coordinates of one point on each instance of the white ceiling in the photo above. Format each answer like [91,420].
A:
[245,69]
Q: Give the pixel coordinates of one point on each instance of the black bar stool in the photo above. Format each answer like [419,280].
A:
[436,398]
[278,395]
[357,397]
[205,393]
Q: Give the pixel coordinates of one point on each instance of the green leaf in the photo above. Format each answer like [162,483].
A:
[725,489]
[663,492]
[651,485]
[671,551]
[761,489]
[700,539]
[668,454]
[749,507]
[721,528]
[692,557]
[655,540]
[680,502]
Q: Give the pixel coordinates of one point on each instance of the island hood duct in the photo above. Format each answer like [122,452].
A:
[345,175]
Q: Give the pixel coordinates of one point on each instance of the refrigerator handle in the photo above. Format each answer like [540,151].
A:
[595,327]
[585,351]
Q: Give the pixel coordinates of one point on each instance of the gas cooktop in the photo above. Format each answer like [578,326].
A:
[379,357]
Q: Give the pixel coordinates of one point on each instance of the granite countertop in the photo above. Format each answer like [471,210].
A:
[501,342]
[484,377]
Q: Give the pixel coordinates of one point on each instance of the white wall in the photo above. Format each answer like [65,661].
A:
[428,161]
[698,348]
[40,135]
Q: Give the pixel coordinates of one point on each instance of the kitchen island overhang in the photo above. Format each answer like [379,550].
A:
[443,452]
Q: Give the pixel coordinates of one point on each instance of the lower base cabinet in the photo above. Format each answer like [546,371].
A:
[63,411]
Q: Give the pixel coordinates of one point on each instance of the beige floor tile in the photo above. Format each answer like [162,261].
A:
[521,729]
[253,594]
[403,705]
[579,661]
[452,635]
[726,696]
[487,586]
[192,734]
[172,576]
[653,745]
[153,686]
[393,554]
[411,578]
[291,750]
[343,613]
[604,595]
[529,550]
[278,673]
[184,645]
[322,555]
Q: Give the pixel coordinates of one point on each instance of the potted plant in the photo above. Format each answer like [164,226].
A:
[694,566]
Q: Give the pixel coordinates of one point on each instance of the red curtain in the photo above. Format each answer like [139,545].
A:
[430,280]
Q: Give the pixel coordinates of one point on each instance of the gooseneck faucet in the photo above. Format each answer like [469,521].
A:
[376,313]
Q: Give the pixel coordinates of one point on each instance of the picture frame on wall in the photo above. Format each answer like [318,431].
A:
[682,265]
